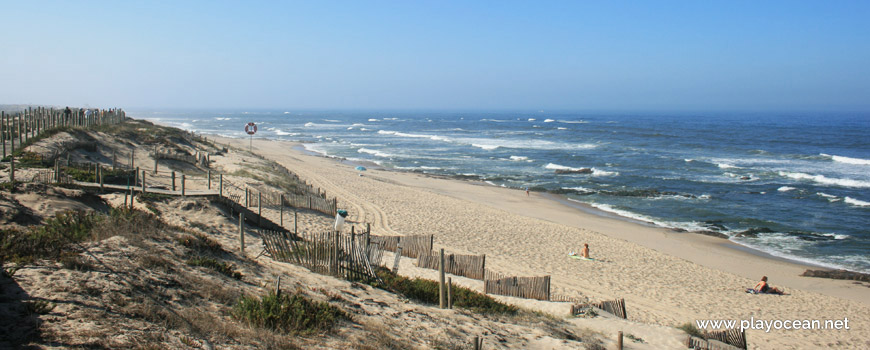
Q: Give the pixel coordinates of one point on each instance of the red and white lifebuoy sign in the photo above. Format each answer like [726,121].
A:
[251,128]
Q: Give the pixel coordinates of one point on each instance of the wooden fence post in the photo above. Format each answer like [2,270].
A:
[441,289]
[173,181]
[450,292]
[136,177]
[3,131]
[12,172]
[155,164]
[278,287]
[259,208]
[396,260]
[619,341]
[221,185]
[101,179]
[295,221]
[182,185]
[246,197]
[209,179]
[241,230]
[282,211]
[113,160]
[143,180]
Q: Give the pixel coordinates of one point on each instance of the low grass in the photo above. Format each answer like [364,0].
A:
[690,329]
[201,244]
[219,266]
[291,313]
[57,238]
[426,291]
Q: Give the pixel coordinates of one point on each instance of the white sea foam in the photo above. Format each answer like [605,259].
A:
[486,147]
[580,189]
[519,158]
[561,128]
[553,166]
[282,133]
[418,136]
[573,121]
[332,120]
[220,118]
[727,166]
[309,124]
[374,152]
[373,120]
[689,160]
[786,189]
[532,119]
[595,171]
[831,198]
[286,112]
[598,172]
[848,160]
[856,202]
[549,120]
[826,180]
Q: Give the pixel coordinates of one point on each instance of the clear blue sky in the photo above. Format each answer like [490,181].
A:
[595,55]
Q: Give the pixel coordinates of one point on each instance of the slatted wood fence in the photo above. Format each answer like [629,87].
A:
[708,344]
[521,287]
[412,246]
[471,266]
[614,307]
[331,253]
[733,337]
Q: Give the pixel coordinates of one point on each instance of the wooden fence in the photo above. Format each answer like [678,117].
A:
[22,126]
[734,337]
[471,266]
[708,344]
[614,307]
[332,253]
[412,246]
[521,287]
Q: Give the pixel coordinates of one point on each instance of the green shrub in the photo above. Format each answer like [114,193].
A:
[219,266]
[292,313]
[201,244]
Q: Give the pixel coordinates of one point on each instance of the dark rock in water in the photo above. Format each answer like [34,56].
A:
[713,234]
[675,229]
[574,171]
[753,232]
[838,274]
[745,178]
[715,225]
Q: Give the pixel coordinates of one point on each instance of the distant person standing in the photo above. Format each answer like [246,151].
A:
[527,191]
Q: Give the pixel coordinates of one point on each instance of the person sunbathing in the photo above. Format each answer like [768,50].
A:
[585,251]
[764,287]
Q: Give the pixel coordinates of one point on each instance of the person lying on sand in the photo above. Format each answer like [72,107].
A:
[764,287]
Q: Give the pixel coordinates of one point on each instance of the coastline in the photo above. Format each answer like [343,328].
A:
[669,278]
[709,251]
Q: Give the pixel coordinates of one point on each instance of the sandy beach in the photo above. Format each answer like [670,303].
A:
[667,278]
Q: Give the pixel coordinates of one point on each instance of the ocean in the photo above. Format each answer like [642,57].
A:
[794,185]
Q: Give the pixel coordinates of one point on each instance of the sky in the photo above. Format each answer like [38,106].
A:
[547,55]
